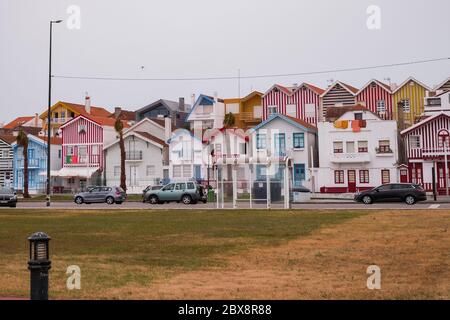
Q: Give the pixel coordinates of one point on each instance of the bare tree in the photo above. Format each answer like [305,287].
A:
[118,126]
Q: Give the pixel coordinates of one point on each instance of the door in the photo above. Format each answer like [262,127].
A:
[166,193]
[403,175]
[299,174]
[197,172]
[180,189]
[92,195]
[280,144]
[133,176]
[384,193]
[351,177]
[441,175]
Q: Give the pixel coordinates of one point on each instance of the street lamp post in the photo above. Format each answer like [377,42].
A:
[48,110]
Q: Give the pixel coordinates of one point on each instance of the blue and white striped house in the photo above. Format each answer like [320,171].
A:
[37,163]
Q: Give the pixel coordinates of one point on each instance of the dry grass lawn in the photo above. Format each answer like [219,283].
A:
[313,257]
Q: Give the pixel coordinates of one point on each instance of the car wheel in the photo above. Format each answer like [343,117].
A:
[153,199]
[79,200]
[186,199]
[410,200]
[110,200]
[204,201]
[367,200]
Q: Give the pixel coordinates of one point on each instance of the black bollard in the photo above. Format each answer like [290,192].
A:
[39,264]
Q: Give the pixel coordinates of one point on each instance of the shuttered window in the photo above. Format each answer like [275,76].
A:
[385,176]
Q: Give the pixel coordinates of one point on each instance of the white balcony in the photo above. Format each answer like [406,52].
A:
[350,157]
[436,152]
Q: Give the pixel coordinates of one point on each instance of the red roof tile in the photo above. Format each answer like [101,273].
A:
[151,137]
[17,122]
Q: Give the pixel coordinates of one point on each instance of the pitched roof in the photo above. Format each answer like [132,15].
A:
[161,122]
[8,138]
[53,140]
[80,109]
[296,122]
[125,115]
[347,87]
[440,85]
[407,81]
[334,113]
[17,122]
[103,121]
[317,90]
[151,137]
[422,122]
[381,84]
[172,105]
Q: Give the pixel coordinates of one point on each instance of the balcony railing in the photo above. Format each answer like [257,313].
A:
[32,163]
[350,157]
[435,152]
[133,156]
[60,120]
[383,150]
[248,117]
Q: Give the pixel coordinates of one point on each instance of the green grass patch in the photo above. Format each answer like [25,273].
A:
[118,248]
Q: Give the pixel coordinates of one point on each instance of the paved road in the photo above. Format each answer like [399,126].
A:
[241,205]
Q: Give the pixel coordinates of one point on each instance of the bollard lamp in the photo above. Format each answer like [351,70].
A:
[39,264]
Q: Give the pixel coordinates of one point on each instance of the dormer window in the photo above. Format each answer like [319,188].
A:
[358,116]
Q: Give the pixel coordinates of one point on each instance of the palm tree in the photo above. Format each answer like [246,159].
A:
[228,122]
[118,126]
[22,141]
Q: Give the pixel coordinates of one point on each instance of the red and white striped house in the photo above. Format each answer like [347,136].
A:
[300,102]
[377,97]
[83,139]
[427,149]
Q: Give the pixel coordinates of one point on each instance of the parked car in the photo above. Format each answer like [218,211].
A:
[110,195]
[8,197]
[149,188]
[189,192]
[407,192]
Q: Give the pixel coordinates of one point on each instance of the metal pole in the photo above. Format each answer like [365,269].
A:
[49,115]
[251,185]
[217,187]
[268,185]
[433,179]
[234,186]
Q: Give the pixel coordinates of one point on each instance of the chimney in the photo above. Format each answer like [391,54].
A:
[87,104]
[117,111]
[167,128]
[181,104]
[193,99]
[36,120]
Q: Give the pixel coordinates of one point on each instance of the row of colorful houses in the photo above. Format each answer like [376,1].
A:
[339,139]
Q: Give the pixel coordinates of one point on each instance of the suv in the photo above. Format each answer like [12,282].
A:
[8,197]
[110,195]
[407,192]
[144,192]
[186,192]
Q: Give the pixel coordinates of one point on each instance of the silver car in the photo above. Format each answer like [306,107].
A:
[109,195]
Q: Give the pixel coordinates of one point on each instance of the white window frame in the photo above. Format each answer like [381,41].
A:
[310,110]
[150,170]
[293,111]
[270,109]
[415,142]
[406,105]
[381,106]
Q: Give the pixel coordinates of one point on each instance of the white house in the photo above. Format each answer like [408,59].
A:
[437,104]
[207,113]
[281,137]
[358,151]
[146,157]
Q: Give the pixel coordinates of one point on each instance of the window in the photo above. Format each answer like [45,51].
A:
[242,148]
[116,171]
[350,146]
[56,115]
[180,186]
[81,128]
[272,110]
[187,171]
[95,150]
[385,176]
[414,142]
[362,146]
[339,176]
[63,114]
[151,171]
[298,140]
[169,187]
[338,147]
[177,171]
[261,141]
[82,154]
[70,151]
[218,149]
[358,116]
[406,105]
[384,146]
[291,110]
[363,176]
[59,154]
[381,106]
[190,185]
[310,110]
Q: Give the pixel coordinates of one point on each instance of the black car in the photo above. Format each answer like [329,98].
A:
[8,197]
[407,192]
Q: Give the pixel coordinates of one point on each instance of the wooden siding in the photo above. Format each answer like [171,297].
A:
[374,93]
[92,138]
[299,98]
[428,133]
[445,86]
[6,163]
[415,93]
[337,95]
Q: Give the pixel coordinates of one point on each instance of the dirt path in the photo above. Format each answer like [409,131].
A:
[411,248]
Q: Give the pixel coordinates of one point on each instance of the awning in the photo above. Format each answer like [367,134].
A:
[74,172]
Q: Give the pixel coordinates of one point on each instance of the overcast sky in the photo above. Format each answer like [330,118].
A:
[202,38]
